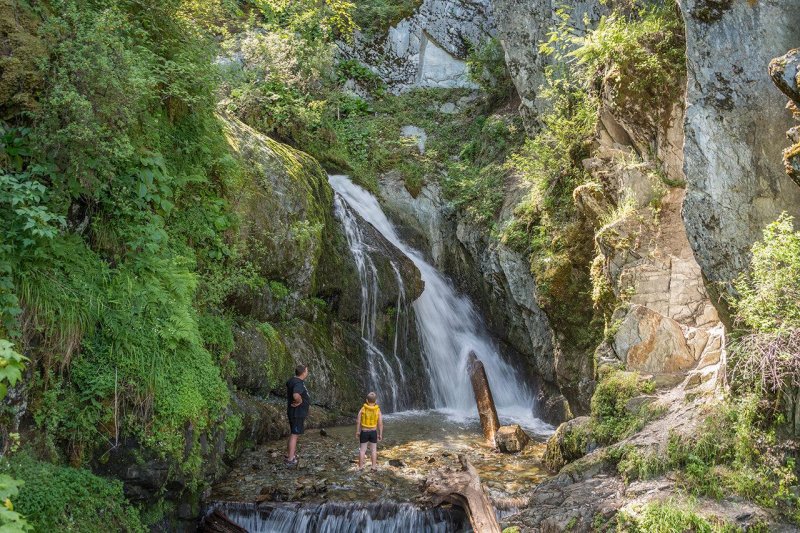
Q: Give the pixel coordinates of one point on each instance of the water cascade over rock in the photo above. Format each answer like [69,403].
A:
[336,518]
[448,326]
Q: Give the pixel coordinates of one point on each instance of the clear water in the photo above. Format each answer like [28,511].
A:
[449,327]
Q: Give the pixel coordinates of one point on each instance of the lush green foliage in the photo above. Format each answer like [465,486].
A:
[637,52]
[612,419]
[60,498]
[375,16]
[734,452]
[546,224]
[487,68]
[113,190]
[10,520]
[669,516]
[769,295]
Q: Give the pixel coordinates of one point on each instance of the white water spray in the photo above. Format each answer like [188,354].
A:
[449,328]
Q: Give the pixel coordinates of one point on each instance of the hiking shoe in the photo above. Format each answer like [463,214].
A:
[290,464]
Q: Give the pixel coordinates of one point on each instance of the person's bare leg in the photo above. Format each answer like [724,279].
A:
[362,451]
[292,447]
[374,455]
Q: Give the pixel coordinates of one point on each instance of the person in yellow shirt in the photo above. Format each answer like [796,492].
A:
[369,429]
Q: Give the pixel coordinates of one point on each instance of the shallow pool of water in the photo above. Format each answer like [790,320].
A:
[415,445]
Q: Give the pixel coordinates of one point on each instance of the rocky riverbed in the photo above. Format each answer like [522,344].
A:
[415,445]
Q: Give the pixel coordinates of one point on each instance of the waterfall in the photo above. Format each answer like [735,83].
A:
[448,324]
[383,371]
[382,517]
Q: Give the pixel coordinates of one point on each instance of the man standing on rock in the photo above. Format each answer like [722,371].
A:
[298,402]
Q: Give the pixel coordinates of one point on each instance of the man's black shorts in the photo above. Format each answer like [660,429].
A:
[297,425]
[368,436]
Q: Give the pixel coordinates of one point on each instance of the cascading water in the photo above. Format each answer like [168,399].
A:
[385,374]
[448,325]
[384,517]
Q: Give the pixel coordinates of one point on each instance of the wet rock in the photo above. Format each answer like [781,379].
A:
[511,439]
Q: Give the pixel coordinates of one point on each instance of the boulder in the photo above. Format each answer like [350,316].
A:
[651,343]
[570,442]
[511,439]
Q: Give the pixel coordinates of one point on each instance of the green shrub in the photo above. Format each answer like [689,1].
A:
[638,53]
[769,294]
[611,420]
[376,16]
[60,498]
[487,68]
[733,452]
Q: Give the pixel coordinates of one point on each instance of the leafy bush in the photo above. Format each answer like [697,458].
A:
[637,52]
[611,419]
[55,498]
[376,16]
[769,294]
[10,520]
[487,68]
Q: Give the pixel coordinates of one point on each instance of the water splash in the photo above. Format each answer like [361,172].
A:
[381,517]
[449,327]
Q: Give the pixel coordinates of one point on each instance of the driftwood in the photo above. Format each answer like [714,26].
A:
[464,490]
[483,396]
[217,522]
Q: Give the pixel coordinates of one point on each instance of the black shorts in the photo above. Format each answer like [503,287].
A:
[370,435]
[297,424]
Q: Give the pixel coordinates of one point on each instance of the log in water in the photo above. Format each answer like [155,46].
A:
[483,397]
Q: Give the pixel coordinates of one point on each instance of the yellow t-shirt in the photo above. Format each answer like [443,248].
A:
[369,416]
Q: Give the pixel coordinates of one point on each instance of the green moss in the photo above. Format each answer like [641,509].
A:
[59,498]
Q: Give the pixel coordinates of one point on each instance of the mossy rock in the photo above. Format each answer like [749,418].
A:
[284,212]
[570,442]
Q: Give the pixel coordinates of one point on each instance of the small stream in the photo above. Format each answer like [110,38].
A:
[327,492]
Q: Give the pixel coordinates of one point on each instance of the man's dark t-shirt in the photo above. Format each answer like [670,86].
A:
[297,385]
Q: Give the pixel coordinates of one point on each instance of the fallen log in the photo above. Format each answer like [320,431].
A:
[217,522]
[483,397]
[463,488]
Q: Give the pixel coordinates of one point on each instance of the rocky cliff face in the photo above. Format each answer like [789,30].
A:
[521,26]
[735,128]
[429,48]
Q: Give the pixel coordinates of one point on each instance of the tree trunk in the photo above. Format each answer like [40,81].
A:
[465,490]
[217,522]
[483,396]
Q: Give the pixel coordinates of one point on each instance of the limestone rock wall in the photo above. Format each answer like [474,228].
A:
[521,26]
[427,49]
[735,128]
